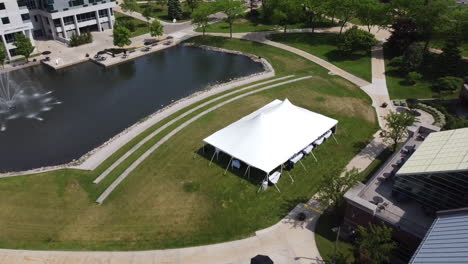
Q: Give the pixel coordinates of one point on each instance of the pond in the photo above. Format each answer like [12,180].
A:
[98,103]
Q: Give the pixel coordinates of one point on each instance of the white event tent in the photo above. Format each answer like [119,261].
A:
[270,136]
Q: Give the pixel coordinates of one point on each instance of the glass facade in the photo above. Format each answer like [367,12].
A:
[438,191]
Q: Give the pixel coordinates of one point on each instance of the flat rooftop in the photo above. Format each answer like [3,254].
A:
[443,151]
[376,195]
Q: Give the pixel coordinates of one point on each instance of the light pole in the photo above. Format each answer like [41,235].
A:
[337,231]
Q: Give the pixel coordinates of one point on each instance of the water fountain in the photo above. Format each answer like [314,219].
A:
[22,100]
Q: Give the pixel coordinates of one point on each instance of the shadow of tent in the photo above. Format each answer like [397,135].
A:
[222,160]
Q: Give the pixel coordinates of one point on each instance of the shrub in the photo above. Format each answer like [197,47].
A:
[413,57]
[355,39]
[448,84]
[129,24]
[413,77]
[77,40]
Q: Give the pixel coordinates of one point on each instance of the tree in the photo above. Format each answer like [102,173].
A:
[355,39]
[447,84]
[121,36]
[129,5]
[396,127]
[451,57]
[313,9]
[346,10]
[232,9]
[375,244]
[192,4]
[3,54]
[413,77]
[147,13]
[156,29]
[174,9]
[372,13]
[413,57]
[286,12]
[404,32]
[201,16]
[333,187]
[23,46]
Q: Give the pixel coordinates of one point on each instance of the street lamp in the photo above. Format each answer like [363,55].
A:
[337,231]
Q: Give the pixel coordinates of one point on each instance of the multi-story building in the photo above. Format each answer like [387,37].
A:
[13,20]
[53,19]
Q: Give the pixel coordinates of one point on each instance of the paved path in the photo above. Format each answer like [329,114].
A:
[288,242]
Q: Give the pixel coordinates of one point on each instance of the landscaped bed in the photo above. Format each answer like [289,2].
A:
[174,199]
[325,46]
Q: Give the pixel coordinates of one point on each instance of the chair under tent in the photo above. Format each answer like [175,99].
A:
[273,138]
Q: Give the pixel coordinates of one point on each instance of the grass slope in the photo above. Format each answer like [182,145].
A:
[174,199]
[141,27]
[324,46]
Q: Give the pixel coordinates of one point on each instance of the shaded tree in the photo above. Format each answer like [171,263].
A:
[147,13]
[372,13]
[334,185]
[375,244]
[396,127]
[3,54]
[404,32]
[192,4]
[451,58]
[313,10]
[413,57]
[156,29]
[232,9]
[121,36]
[355,39]
[201,16]
[286,12]
[23,45]
[346,10]
[447,84]
[174,9]
[129,5]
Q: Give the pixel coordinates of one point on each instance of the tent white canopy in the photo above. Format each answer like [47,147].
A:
[268,137]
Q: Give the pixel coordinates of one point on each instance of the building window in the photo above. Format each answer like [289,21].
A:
[2,6]
[9,38]
[47,21]
[57,22]
[5,20]
[30,4]
[68,20]
[103,13]
[112,11]
[35,18]
[86,16]
[25,17]
[76,3]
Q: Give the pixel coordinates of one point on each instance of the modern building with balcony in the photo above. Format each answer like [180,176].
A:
[52,19]
[14,20]
[60,19]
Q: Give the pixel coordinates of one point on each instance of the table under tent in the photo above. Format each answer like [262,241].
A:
[278,135]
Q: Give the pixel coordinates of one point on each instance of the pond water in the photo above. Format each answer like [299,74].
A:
[98,103]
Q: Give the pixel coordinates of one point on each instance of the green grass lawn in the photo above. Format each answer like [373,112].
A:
[173,199]
[160,11]
[326,239]
[141,27]
[245,25]
[324,45]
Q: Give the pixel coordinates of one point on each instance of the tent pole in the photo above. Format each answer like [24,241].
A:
[302,165]
[212,158]
[334,138]
[290,176]
[229,163]
[203,148]
[246,170]
[314,156]
[276,187]
[262,182]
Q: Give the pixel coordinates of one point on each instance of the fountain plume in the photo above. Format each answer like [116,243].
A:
[22,100]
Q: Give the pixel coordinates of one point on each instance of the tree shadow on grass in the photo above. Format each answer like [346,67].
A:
[338,55]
